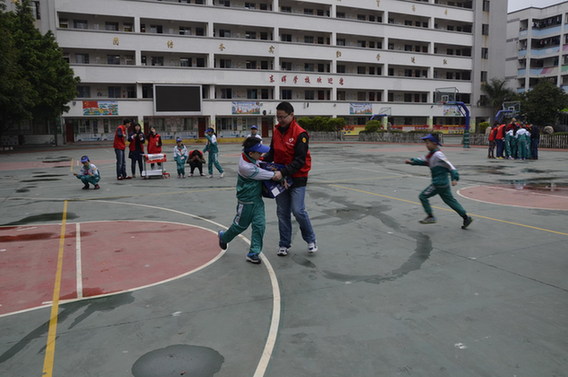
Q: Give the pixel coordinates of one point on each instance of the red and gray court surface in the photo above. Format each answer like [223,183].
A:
[129,280]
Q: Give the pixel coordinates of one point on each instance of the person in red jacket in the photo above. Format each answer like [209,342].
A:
[119,145]
[500,140]
[154,144]
[290,148]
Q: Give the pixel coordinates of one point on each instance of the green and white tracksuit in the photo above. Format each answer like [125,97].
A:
[524,143]
[440,169]
[213,150]
[89,174]
[250,206]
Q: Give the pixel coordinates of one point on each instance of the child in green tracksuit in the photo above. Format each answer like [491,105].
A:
[89,174]
[440,167]
[213,150]
[250,206]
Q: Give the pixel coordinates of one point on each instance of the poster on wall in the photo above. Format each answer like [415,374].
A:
[360,108]
[100,108]
[246,108]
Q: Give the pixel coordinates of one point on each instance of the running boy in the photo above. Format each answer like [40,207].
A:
[88,174]
[440,167]
[250,207]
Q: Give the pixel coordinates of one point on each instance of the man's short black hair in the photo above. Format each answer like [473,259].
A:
[250,142]
[285,106]
[126,121]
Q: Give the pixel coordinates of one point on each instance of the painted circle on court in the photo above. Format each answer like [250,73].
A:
[99,258]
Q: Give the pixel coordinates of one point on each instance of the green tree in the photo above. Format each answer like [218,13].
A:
[542,104]
[45,70]
[497,93]
[16,93]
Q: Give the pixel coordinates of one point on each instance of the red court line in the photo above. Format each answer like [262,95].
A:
[116,256]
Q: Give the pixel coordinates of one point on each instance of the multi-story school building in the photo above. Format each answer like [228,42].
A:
[537,46]
[185,65]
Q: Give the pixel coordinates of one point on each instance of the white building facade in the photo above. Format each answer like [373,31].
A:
[537,47]
[338,58]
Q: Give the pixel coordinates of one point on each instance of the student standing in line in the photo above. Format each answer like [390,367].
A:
[440,168]
[180,156]
[254,132]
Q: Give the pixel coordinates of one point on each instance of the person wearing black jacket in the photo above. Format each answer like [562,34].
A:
[535,141]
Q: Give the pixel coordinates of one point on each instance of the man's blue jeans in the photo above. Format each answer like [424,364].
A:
[290,202]
[120,163]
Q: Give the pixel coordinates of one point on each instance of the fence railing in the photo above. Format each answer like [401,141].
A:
[546,141]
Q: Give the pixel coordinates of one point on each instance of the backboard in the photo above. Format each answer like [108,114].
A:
[445,95]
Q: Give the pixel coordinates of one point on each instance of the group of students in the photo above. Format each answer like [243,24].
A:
[514,140]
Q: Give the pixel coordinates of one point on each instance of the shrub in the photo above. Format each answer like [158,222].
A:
[373,126]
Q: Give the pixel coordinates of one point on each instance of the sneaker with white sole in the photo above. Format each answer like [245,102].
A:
[210,176]
[253,258]
[312,247]
[222,175]
[282,251]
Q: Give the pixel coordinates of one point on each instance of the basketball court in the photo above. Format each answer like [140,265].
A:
[129,280]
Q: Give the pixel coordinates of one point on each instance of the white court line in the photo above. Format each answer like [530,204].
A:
[78,257]
[276,298]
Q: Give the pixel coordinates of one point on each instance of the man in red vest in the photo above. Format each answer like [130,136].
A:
[289,147]
[119,145]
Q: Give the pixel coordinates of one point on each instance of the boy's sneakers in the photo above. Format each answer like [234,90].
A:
[466,221]
[97,186]
[222,245]
[428,220]
[222,175]
[210,176]
[282,251]
[312,247]
[253,258]
[86,186]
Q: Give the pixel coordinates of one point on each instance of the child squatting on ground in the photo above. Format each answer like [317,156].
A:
[250,206]
[440,167]
[88,174]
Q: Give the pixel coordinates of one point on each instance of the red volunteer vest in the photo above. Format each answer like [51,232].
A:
[119,140]
[152,147]
[284,143]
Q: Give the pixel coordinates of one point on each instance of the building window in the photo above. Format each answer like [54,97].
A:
[483,76]
[484,53]
[250,35]
[286,94]
[485,29]
[224,33]
[156,29]
[286,9]
[264,94]
[128,27]
[227,93]
[200,62]
[250,64]
[199,31]
[341,41]
[340,68]
[111,26]
[63,23]
[250,5]
[252,94]
[341,95]
[226,3]
[308,11]
[286,66]
[225,63]
[309,67]
[340,15]
[308,39]
[184,30]
[486,5]
[286,37]
[185,62]
[83,91]
[131,91]
[114,91]
[82,58]
[309,95]
[264,64]
[147,91]
[361,70]
[80,24]
[113,59]
[157,60]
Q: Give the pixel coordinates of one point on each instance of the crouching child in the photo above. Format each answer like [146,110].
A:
[89,174]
